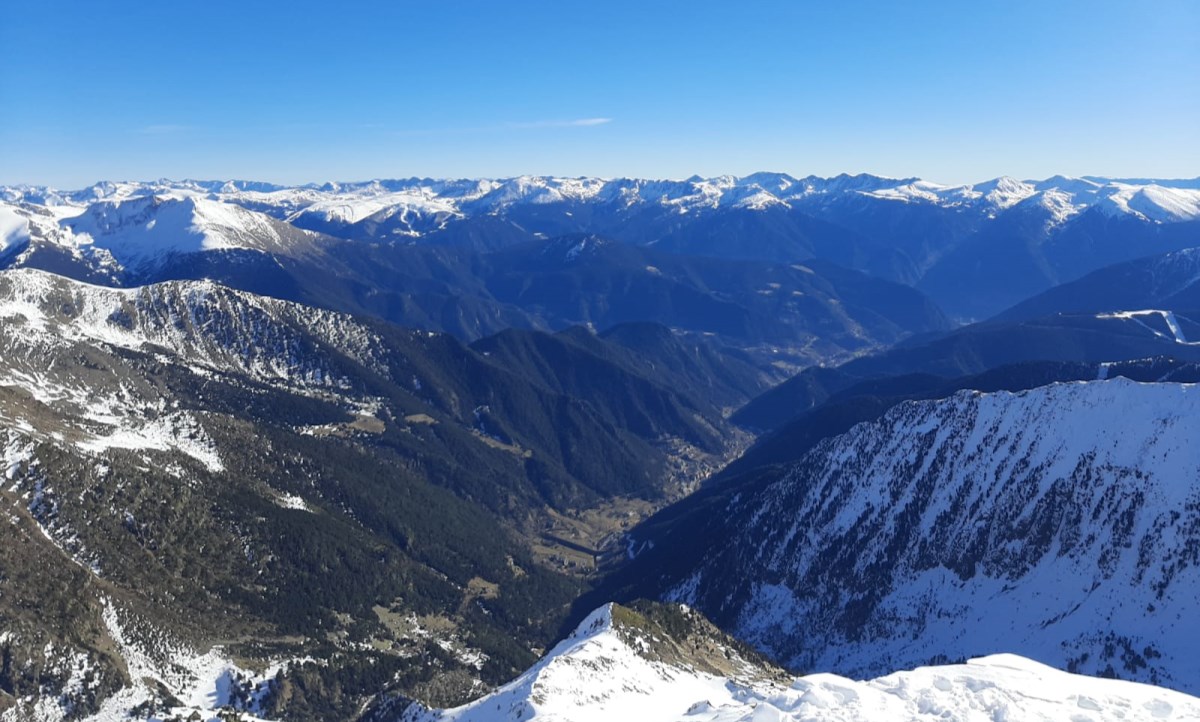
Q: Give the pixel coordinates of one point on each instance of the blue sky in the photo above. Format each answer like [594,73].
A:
[311,91]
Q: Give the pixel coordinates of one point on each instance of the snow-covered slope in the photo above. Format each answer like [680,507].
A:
[1060,523]
[205,325]
[1152,202]
[86,389]
[607,669]
[14,227]
[141,231]
[65,354]
[419,211]
[125,238]
[1148,317]
[603,672]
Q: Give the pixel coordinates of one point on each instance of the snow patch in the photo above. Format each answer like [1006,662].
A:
[177,431]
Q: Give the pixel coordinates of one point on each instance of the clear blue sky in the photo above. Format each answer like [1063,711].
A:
[311,91]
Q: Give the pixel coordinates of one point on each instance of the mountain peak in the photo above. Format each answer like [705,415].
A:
[645,661]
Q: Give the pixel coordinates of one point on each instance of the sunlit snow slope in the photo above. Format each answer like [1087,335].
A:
[606,671]
[1060,523]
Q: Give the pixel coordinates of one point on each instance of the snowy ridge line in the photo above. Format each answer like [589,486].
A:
[591,675]
[597,676]
[196,215]
[140,233]
[204,322]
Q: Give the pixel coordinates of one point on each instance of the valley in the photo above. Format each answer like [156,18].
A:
[371,451]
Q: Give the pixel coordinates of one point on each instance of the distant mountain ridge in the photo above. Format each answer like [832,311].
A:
[976,249]
[1163,200]
[1167,282]
[805,313]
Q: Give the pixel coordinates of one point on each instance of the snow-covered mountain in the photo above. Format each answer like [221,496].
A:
[108,398]
[975,248]
[612,668]
[207,326]
[1060,523]
[1162,201]
[1159,200]
[131,237]
[140,231]
[14,228]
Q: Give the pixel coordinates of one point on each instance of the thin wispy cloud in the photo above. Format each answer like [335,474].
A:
[577,123]
[163,129]
[522,125]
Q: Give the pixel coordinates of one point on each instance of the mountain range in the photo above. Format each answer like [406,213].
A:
[806,312]
[975,249]
[844,448]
